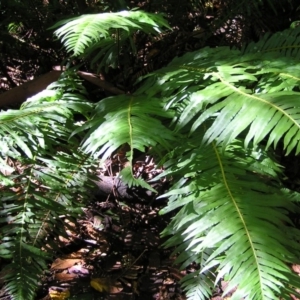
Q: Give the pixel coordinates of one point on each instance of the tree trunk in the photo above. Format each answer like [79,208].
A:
[18,95]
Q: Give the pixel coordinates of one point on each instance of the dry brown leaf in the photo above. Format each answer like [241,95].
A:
[61,264]
[296,268]
[77,254]
[64,276]
[64,240]
[60,294]
[168,281]
[116,288]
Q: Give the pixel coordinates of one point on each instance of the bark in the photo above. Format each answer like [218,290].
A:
[101,83]
[16,96]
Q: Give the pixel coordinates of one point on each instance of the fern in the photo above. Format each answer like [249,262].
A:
[103,35]
[48,185]
[227,209]
[238,88]
[127,119]
[217,114]
[288,46]
[229,109]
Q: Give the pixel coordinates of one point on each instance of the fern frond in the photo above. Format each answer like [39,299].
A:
[270,113]
[231,202]
[39,117]
[236,92]
[22,275]
[285,42]
[197,285]
[54,170]
[47,190]
[80,33]
[127,119]
[226,207]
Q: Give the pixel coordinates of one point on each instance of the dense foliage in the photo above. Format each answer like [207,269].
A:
[229,108]
[28,48]
[51,188]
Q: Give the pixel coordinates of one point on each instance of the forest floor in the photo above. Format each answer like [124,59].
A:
[114,251]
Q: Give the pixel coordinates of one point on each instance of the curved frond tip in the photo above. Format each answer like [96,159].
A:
[81,32]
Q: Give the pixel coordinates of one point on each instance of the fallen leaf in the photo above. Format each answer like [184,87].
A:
[101,284]
[65,277]
[296,268]
[59,293]
[168,281]
[106,285]
[61,264]
[116,288]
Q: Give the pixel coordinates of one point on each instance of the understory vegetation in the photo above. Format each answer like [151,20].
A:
[217,119]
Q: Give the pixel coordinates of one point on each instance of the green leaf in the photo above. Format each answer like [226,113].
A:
[234,216]
[79,33]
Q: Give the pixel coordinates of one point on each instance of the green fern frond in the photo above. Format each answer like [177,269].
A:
[236,92]
[33,213]
[285,42]
[22,275]
[127,176]
[106,52]
[79,33]
[127,119]
[54,171]
[226,206]
[197,285]
[48,190]
[40,117]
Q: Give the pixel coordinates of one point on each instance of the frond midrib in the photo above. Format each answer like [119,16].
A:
[232,198]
